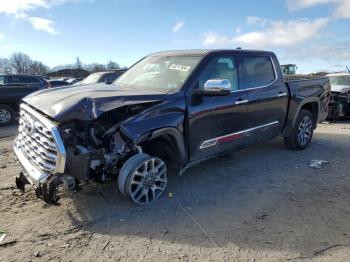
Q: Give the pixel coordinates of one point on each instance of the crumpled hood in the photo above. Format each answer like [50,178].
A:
[86,102]
[340,88]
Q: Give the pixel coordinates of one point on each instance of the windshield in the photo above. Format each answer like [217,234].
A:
[91,79]
[340,80]
[161,73]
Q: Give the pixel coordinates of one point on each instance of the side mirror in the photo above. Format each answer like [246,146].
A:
[215,87]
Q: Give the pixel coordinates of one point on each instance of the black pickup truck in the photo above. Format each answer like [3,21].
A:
[12,89]
[169,111]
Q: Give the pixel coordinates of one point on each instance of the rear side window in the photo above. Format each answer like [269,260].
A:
[30,80]
[2,80]
[23,80]
[258,71]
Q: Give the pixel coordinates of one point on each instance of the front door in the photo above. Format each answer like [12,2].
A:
[216,122]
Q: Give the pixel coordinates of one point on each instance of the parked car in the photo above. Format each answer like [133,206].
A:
[58,83]
[167,113]
[340,99]
[102,77]
[12,89]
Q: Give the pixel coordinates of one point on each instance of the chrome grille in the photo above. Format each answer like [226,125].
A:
[38,142]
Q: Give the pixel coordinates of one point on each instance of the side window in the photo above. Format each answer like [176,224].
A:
[2,80]
[29,80]
[220,67]
[110,78]
[258,71]
[14,80]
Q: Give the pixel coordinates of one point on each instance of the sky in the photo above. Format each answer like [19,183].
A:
[314,34]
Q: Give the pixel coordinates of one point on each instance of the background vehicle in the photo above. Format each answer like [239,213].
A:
[102,77]
[58,83]
[168,112]
[340,99]
[12,89]
[289,69]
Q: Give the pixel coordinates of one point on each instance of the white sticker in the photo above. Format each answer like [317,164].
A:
[177,67]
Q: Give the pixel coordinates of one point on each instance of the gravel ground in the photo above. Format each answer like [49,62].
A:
[261,204]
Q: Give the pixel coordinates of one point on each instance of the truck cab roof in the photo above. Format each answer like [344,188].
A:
[203,52]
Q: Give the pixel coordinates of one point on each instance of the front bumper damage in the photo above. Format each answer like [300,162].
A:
[40,152]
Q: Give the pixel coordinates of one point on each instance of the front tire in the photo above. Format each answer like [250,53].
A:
[143,178]
[7,115]
[302,133]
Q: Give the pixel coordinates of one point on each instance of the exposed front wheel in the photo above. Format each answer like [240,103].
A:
[143,178]
[7,115]
[302,133]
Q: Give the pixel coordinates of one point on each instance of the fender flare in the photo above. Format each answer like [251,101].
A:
[178,139]
[289,126]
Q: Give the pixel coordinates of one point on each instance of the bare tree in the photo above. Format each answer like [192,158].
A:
[112,65]
[20,62]
[5,66]
[79,64]
[38,68]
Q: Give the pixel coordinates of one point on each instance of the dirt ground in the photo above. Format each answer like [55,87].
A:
[261,204]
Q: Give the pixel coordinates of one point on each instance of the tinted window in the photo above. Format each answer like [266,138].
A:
[257,71]
[110,78]
[222,67]
[14,80]
[23,80]
[2,80]
[30,80]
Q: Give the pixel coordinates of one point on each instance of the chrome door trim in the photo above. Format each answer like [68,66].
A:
[213,141]
[239,102]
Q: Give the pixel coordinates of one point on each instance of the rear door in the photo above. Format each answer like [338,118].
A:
[267,96]
[216,122]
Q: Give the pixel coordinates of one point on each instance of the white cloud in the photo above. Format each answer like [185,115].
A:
[275,34]
[302,4]
[255,20]
[178,26]
[238,30]
[43,24]
[20,8]
[342,9]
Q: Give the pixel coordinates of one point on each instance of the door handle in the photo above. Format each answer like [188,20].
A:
[282,94]
[241,101]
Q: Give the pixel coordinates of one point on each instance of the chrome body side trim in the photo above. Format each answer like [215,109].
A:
[214,141]
[239,102]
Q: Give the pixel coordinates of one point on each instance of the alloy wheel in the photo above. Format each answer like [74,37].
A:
[147,181]
[5,116]
[305,131]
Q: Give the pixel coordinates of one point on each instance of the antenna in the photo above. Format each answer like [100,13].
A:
[347,69]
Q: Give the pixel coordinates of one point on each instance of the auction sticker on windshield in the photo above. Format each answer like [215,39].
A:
[177,67]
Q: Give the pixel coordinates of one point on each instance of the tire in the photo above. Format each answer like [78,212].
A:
[146,179]
[302,133]
[7,115]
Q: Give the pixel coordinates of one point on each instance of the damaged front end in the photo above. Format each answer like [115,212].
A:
[339,105]
[54,155]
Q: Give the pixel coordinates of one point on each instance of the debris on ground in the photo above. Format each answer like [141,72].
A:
[2,236]
[318,164]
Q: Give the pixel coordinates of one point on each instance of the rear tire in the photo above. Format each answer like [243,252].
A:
[7,115]
[302,133]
